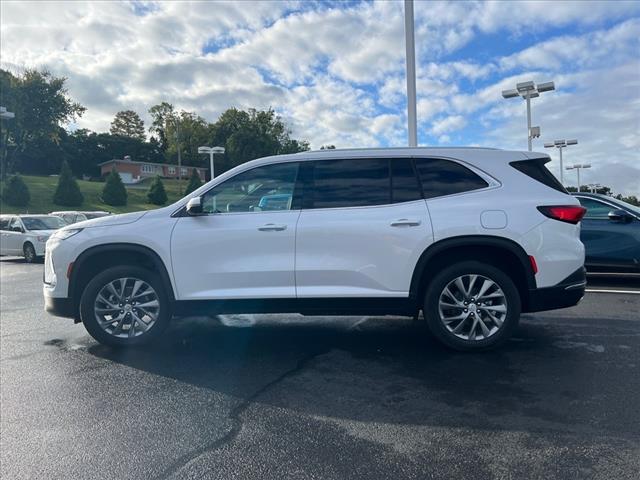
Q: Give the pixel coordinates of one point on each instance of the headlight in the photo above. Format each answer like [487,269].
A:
[42,239]
[66,233]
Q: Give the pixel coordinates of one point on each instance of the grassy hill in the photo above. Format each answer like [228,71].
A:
[43,188]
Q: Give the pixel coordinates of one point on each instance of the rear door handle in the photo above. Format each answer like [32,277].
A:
[272,227]
[405,222]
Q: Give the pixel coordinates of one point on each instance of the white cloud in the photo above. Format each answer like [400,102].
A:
[448,124]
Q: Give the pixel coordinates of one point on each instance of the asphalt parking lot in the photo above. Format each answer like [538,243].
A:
[328,398]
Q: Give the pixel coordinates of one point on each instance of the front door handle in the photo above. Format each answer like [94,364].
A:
[272,227]
[405,222]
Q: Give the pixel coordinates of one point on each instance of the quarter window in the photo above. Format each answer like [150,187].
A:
[444,177]
[267,188]
[351,183]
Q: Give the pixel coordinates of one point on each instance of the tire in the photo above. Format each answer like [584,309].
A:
[481,324]
[134,320]
[29,253]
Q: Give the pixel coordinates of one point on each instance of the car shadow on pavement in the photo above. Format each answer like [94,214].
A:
[379,369]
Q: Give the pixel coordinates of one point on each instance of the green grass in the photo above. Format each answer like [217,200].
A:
[43,188]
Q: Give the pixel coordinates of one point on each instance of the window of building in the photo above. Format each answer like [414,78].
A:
[172,170]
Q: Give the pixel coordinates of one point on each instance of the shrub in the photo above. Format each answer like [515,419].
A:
[113,192]
[67,193]
[194,182]
[156,194]
[16,192]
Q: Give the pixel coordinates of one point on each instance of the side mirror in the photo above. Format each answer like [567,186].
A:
[194,206]
[619,216]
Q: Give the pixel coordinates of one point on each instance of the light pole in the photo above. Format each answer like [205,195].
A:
[211,151]
[594,187]
[529,90]
[560,144]
[577,168]
[411,73]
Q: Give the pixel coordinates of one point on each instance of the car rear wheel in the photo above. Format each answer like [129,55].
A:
[472,306]
[125,306]
[29,253]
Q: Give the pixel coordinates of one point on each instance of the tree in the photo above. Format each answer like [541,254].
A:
[67,193]
[157,194]
[16,192]
[42,106]
[328,147]
[113,192]
[128,123]
[161,115]
[194,182]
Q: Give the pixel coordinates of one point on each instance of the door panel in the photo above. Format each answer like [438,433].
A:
[239,255]
[363,251]
[611,244]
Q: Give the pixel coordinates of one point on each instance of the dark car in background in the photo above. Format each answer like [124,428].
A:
[610,231]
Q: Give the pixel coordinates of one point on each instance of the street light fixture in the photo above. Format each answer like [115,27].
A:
[529,90]
[560,144]
[211,151]
[577,168]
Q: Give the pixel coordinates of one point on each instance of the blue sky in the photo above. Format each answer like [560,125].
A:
[335,70]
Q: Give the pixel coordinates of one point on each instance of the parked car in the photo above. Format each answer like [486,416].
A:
[26,235]
[74,217]
[471,236]
[610,233]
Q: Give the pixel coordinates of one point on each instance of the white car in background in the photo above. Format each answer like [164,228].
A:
[74,216]
[27,235]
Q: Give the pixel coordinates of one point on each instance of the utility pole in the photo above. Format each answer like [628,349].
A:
[529,90]
[560,145]
[411,73]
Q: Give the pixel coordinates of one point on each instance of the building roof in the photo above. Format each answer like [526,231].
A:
[119,160]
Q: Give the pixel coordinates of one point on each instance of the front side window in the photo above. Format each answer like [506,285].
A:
[267,188]
[351,183]
[15,224]
[595,209]
[4,223]
[444,177]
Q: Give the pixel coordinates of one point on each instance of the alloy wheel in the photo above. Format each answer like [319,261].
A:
[126,307]
[472,307]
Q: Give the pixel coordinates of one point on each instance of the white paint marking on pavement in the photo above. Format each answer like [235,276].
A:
[592,290]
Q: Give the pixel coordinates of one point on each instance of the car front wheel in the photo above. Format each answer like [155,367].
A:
[472,306]
[125,306]
[29,253]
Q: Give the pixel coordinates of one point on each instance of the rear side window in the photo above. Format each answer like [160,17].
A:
[404,183]
[351,183]
[443,177]
[535,168]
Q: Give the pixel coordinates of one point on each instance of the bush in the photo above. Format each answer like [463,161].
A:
[113,192]
[67,193]
[16,192]
[156,194]
[194,182]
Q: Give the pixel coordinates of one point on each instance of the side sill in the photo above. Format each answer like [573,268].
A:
[304,306]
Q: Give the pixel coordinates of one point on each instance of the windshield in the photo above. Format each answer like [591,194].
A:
[43,223]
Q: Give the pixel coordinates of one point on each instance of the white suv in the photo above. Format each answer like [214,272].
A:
[470,236]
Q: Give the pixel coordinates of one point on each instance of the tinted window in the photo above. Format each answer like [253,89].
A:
[443,177]
[404,183]
[595,209]
[266,188]
[351,183]
[43,223]
[4,223]
[535,169]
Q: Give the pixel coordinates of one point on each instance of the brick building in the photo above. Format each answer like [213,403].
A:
[133,172]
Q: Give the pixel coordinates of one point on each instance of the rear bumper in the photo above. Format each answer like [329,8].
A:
[565,294]
[59,307]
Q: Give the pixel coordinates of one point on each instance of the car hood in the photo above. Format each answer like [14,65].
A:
[42,232]
[109,220]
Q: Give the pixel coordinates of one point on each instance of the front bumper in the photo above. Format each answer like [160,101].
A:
[565,294]
[60,307]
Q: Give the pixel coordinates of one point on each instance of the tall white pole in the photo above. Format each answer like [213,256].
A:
[528,120]
[561,168]
[578,179]
[411,73]
[211,162]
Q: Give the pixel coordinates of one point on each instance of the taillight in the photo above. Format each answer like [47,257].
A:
[565,213]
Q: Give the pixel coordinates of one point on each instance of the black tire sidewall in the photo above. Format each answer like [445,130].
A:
[29,246]
[432,297]
[95,285]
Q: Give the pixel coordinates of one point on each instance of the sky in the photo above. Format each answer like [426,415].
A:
[335,71]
